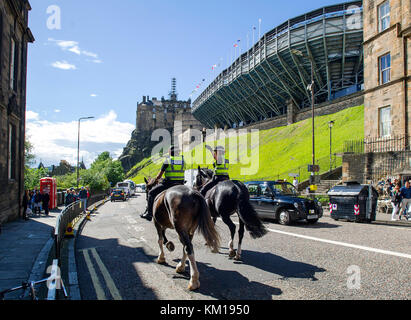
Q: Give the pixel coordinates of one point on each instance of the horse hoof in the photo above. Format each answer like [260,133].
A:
[180,268]
[194,285]
[161,261]
[170,246]
[231,254]
[237,258]
[215,251]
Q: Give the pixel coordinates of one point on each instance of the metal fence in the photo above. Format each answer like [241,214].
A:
[69,215]
[378,144]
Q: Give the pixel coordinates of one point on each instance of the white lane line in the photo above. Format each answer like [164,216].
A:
[94,279]
[109,281]
[338,243]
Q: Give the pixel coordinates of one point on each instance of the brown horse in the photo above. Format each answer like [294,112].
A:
[185,210]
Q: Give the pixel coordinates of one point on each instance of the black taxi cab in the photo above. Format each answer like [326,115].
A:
[279,200]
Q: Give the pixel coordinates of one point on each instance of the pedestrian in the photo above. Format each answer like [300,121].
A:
[31,201]
[395,201]
[295,182]
[26,199]
[83,198]
[405,198]
[45,199]
[69,198]
[37,202]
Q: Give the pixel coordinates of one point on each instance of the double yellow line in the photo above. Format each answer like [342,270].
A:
[106,275]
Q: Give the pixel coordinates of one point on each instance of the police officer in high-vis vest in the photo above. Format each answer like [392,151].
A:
[173,170]
[221,166]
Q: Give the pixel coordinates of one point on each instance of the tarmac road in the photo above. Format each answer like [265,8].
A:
[116,253]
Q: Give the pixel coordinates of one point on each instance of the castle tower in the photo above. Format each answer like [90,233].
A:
[173,92]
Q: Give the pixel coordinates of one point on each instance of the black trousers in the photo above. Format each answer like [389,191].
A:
[212,183]
[166,184]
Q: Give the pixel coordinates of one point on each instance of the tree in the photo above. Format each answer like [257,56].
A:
[28,155]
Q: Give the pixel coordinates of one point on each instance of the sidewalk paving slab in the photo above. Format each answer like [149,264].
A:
[24,248]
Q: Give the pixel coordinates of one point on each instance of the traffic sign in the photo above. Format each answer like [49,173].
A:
[313,168]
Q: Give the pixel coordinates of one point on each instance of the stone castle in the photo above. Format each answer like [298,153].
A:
[170,114]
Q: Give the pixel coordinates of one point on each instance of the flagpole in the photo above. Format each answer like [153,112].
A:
[259,29]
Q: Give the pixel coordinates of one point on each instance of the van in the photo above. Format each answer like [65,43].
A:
[127,186]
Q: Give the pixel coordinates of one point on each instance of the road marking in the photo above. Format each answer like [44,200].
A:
[138,229]
[130,220]
[338,243]
[94,278]
[109,281]
[141,239]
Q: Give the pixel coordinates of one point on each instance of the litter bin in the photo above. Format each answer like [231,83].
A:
[353,201]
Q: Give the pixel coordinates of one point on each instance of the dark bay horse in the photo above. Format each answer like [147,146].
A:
[185,210]
[226,198]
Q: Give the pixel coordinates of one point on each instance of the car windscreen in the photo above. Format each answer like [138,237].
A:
[125,185]
[284,189]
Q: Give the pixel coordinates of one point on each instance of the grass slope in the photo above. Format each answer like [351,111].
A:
[278,151]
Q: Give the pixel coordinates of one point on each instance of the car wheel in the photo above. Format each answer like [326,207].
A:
[284,217]
[312,221]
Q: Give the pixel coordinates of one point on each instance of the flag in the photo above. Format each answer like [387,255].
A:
[236,45]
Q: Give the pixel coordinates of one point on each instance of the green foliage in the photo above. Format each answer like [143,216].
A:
[28,155]
[32,177]
[103,173]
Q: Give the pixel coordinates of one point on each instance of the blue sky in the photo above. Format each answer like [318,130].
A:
[108,54]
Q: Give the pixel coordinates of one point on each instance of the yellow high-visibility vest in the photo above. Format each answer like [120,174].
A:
[175,169]
[221,169]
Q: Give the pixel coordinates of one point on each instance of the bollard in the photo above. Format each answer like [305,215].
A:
[69,230]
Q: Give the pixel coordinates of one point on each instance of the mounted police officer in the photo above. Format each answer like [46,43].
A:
[221,166]
[173,170]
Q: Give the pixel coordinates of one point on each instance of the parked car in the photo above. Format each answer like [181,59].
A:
[118,194]
[279,200]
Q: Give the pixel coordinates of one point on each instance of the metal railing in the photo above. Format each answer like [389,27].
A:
[378,144]
[71,214]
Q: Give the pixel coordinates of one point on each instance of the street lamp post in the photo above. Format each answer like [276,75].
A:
[310,88]
[331,124]
[78,147]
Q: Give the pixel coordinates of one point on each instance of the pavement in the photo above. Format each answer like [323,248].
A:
[24,250]
[25,247]
[381,218]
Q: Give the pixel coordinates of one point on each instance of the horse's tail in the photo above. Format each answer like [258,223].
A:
[251,221]
[206,225]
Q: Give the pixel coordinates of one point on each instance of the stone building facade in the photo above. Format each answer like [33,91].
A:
[387,68]
[14,38]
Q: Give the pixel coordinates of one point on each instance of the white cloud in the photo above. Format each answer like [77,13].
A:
[90,54]
[31,115]
[63,65]
[57,110]
[73,46]
[55,141]
[93,95]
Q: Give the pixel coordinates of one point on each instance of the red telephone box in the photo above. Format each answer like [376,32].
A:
[49,185]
